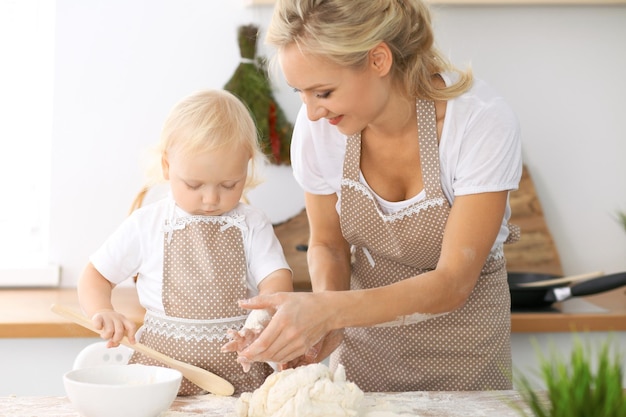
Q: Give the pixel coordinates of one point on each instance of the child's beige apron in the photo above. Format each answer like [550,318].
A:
[204,275]
[468,349]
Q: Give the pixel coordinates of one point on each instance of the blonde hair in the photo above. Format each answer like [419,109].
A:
[344,31]
[205,121]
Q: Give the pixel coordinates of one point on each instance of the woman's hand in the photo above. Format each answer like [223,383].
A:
[300,322]
[113,326]
[317,353]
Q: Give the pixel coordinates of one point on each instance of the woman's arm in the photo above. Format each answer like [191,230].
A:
[328,255]
[301,320]
[470,232]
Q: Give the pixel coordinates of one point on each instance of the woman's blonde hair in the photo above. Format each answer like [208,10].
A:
[205,121]
[344,31]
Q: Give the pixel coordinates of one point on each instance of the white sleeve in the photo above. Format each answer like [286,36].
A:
[119,257]
[481,148]
[488,152]
[263,249]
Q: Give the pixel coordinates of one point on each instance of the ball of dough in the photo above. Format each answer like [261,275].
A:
[311,391]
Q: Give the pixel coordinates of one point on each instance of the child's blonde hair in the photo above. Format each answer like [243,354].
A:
[208,120]
[202,122]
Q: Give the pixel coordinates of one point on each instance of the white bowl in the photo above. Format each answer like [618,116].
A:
[122,390]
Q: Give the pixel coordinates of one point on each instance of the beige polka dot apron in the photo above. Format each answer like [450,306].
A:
[204,275]
[468,349]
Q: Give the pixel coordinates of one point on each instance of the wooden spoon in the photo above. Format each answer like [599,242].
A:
[201,377]
[564,280]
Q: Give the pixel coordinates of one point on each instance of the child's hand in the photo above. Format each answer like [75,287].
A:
[113,327]
[255,323]
[240,340]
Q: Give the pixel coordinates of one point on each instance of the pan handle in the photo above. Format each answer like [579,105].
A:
[558,281]
[598,285]
[592,286]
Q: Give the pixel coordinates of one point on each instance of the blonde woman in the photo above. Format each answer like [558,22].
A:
[407,164]
[197,251]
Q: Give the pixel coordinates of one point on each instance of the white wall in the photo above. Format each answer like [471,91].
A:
[561,68]
[121,65]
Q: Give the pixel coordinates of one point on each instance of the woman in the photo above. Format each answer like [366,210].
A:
[407,164]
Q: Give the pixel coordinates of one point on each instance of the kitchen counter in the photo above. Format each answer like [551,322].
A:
[604,312]
[26,313]
[414,404]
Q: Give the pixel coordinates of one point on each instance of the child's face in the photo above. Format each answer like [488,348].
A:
[209,183]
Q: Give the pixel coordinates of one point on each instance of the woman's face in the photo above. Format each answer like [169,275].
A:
[348,98]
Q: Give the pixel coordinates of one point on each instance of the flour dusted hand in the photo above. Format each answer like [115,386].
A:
[254,325]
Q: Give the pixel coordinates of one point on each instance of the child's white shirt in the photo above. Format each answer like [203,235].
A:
[136,247]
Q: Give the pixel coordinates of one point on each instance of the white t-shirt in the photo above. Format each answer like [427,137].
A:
[136,247]
[480,151]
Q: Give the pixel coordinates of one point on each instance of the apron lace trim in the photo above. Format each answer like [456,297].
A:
[399,215]
[496,254]
[189,329]
[179,223]
[174,222]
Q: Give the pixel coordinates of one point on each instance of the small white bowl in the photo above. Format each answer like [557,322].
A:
[122,390]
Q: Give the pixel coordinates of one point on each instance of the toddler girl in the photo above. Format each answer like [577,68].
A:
[196,252]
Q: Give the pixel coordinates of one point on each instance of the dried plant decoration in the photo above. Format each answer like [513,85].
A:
[251,84]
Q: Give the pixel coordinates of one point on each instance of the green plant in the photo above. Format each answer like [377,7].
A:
[621,219]
[573,389]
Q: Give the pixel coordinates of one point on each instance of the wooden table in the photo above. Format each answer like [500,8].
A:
[414,404]
[26,313]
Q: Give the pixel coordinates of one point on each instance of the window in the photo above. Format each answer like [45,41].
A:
[26,83]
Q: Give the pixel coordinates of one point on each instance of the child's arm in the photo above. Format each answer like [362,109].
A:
[94,296]
[278,281]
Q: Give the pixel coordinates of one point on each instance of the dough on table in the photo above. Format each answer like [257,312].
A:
[311,391]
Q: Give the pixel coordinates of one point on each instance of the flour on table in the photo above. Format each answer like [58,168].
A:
[311,391]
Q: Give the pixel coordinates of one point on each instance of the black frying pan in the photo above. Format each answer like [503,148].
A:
[544,296]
